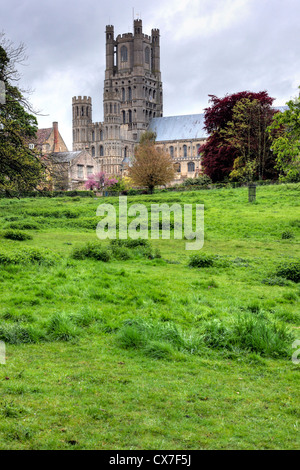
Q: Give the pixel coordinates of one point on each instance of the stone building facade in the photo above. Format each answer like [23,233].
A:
[70,170]
[181,137]
[132,104]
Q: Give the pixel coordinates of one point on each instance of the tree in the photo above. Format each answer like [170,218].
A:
[100,181]
[20,167]
[285,134]
[151,166]
[247,133]
[222,149]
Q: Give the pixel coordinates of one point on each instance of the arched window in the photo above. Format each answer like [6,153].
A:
[101,135]
[101,151]
[123,94]
[172,151]
[93,151]
[130,116]
[129,94]
[191,166]
[115,108]
[147,55]
[178,167]
[123,117]
[185,151]
[87,110]
[124,54]
[93,136]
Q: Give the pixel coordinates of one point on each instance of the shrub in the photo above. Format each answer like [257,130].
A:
[28,255]
[130,243]
[24,225]
[290,271]
[275,281]
[92,250]
[201,261]
[134,248]
[202,180]
[121,252]
[16,235]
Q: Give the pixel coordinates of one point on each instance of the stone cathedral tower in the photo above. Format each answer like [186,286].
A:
[132,96]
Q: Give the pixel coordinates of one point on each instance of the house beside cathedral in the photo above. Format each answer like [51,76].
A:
[65,170]
[132,104]
[48,140]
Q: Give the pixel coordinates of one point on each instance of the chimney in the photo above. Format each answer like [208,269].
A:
[55,130]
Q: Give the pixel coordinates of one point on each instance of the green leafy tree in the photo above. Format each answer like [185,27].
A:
[285,134]
[20,168]
[150,165]
[247,134]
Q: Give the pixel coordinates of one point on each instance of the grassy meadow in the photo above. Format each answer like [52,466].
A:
[145,345]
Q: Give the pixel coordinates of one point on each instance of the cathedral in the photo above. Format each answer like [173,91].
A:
[132,104]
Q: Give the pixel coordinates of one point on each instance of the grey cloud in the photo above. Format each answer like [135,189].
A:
[258,50]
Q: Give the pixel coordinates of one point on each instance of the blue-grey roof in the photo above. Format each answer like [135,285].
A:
[184,127]
[65,157]
[281,108]
[179,127]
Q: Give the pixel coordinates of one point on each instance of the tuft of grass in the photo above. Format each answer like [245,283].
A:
[159,340]
[249,334]
[61,328]
[18,317]
[19,334]
[287,234]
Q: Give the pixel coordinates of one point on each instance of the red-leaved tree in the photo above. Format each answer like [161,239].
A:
[219,153]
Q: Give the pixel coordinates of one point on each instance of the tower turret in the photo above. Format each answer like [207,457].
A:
[110,50]
[82,121]
[155,53]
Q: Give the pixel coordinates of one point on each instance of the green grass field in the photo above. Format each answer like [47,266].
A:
[130,347]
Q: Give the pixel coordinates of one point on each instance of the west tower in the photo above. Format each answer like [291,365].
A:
[132,96]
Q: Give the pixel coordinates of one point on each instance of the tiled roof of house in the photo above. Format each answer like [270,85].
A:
[42,135]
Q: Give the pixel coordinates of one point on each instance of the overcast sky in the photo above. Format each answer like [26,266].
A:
[207,47]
